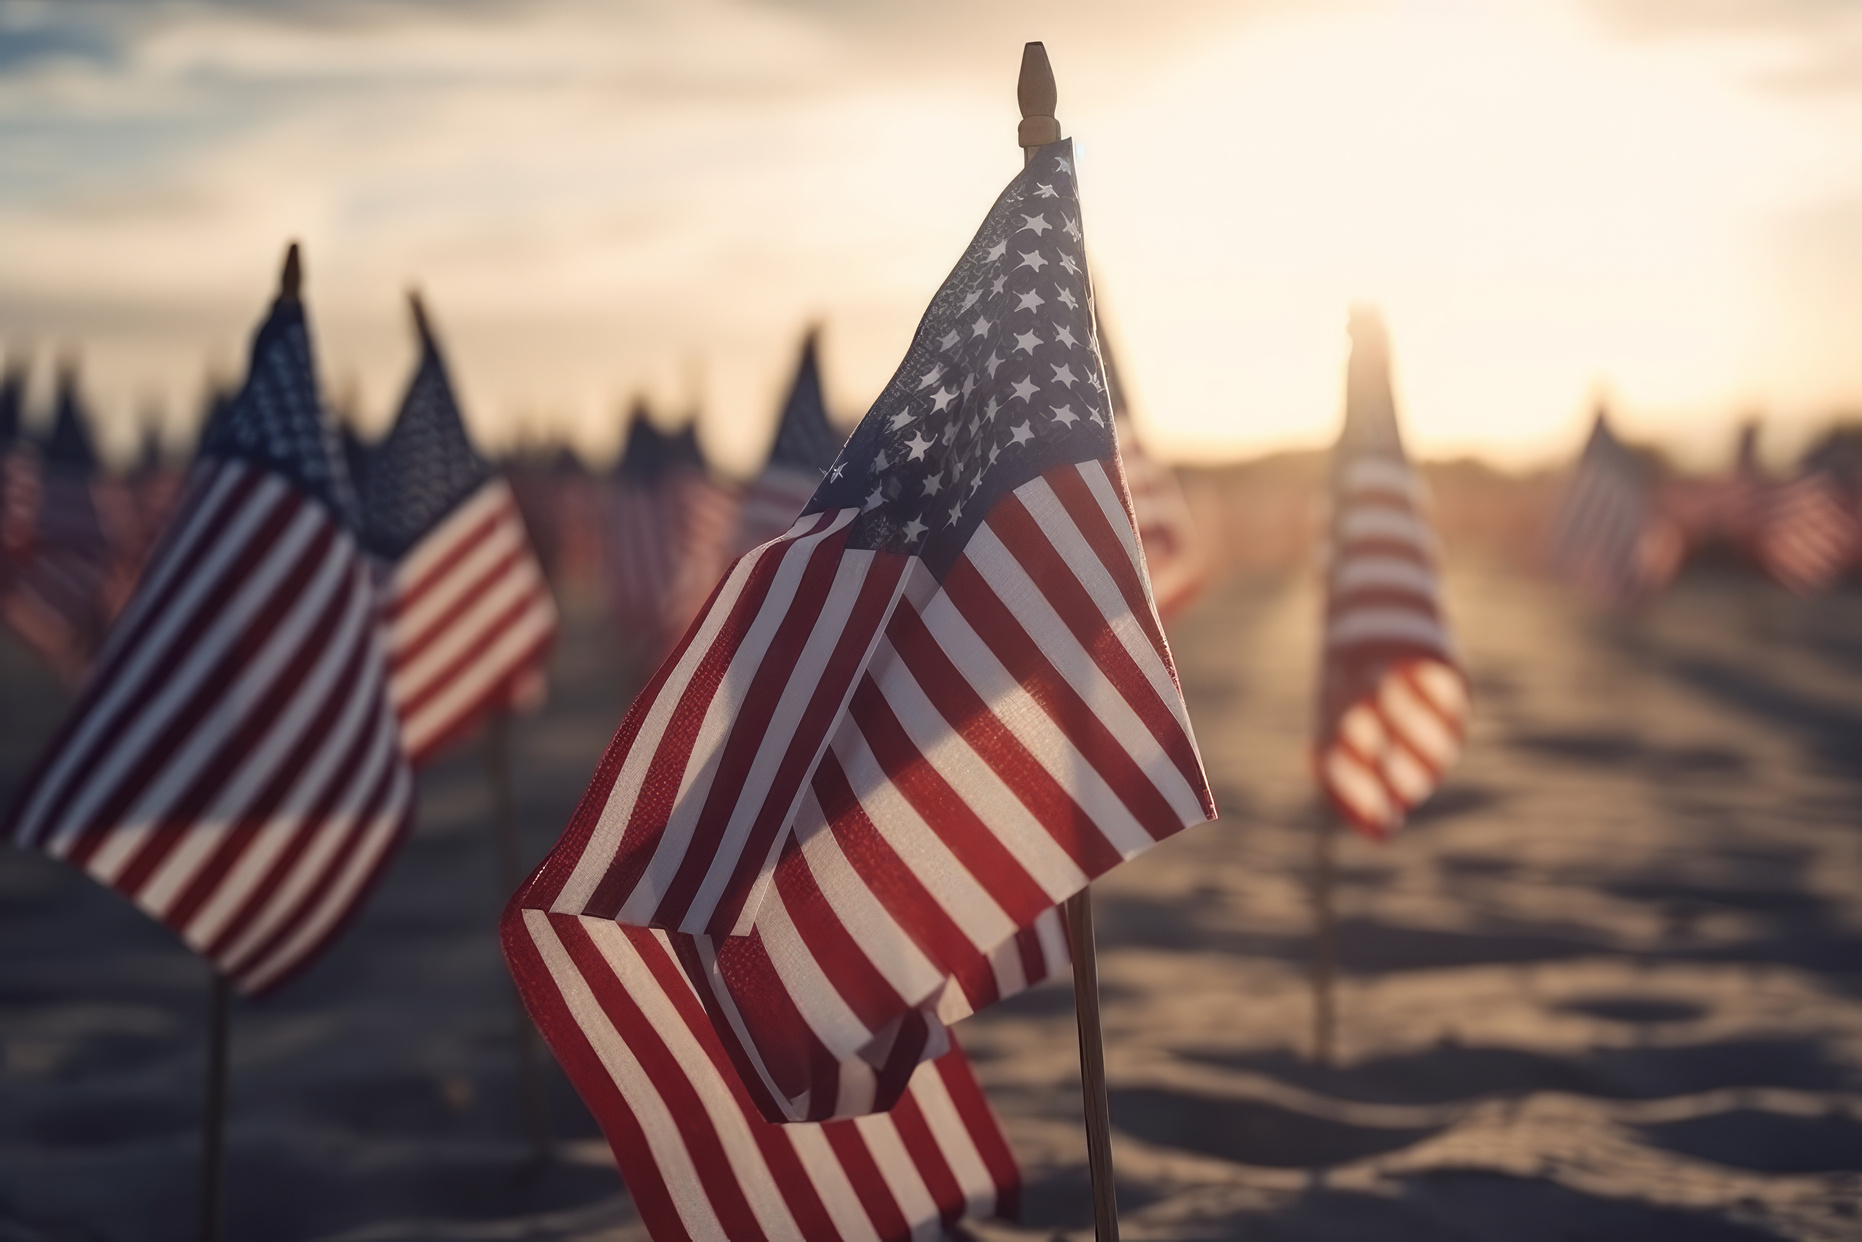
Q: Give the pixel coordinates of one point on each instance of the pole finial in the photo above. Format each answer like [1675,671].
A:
[1035,91]
[291,281]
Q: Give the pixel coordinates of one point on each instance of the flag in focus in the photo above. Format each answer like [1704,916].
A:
[1611,535]
[232,764]
[470,621]
[901,733]
[1393,701]
[806,443]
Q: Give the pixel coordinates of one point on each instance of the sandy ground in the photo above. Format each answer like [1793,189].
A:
[1606,987]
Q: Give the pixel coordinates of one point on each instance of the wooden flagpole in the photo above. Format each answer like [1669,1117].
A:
[530,1087]
[213,1111]
[1325,938]
[1036,93]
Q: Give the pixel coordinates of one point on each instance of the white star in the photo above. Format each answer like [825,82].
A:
[1045,191]
[942,398]
[949,341]
[1066,296]
[1097,416]
[1031,301]
[913,529]
[995,286]
[1026,341]
[1031,259]
[1064,335]
[931,377]
[932,483]
[873,500]
[899,420]
[1020,434]
[834,474]
[1066,261]
[996,251]
[1024,388]
[992,407]
[1071,228]
[917,444]
[1060,162]
[995,451]
[879,460]
[969,382]
[950,433]
[1034,224]
[1064,415]
[956,512]
[976,481]
[980,327]
[1063,374]
[993,363]
[971,299]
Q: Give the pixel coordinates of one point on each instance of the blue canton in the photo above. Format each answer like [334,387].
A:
[647,451]
[277,420]
[423,469]
[1002,382]
[804,438]
[69,445]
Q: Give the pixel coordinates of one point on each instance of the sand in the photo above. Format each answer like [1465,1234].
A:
[1606,986]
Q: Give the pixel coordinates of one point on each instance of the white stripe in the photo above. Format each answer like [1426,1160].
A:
[437,543]
[1387,625]
[1370,572]
[902,1177]
[418,614]
[1374,522]
[498,662]
[831,1183]
[462,635]
[954,1140]
[1375,473]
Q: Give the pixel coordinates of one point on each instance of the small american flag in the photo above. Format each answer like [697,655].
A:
[901,733]
[806,443]
[232,763]
[1802,532]
[1172,547]
[469,615]
[19,477]
[1392,697]
[1611,536]
[58,599]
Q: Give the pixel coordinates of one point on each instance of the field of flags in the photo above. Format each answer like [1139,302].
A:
[903,696]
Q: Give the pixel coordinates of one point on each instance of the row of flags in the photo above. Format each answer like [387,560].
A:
[1623,531]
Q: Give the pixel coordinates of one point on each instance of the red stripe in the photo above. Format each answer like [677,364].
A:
[1002,632]
[461,544]
[833,948]
[663,1068]
[789,1048]
[692,966]
[1077,498]
[987,1136]
[499,695]
[208,699]
[563,1031]
[966,713]
[410,646]
[475,647]
[811,732]
[869,1184]
[928,1159]
[1043,564]
[749,730]
[897,888]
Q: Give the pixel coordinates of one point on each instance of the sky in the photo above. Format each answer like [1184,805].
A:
[1652,203]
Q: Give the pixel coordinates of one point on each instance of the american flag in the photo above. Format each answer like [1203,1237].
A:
[19,476]
[1802,533]
[806,443]
[232,763]
[1172,548]
[900,734]
[469,616]
[1392,697]
[58,599]
[1611,535]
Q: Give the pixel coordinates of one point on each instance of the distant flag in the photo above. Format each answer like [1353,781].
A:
[1393,701]
[850,800]
[58,599]
[670,526]
[1803,533]
[154,486]
[232,763]
[1172,547]
[1611,535]
[19,476]
[805,445]
[469,616]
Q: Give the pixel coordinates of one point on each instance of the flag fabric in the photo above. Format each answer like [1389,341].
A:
[58,600]
[1172,547]
[899,735]
[232,764]
[805,446]
[1611,535]
[1803,533]
[1393,701]
[470,620]
[702,511]
[699,1156]
[19,477]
